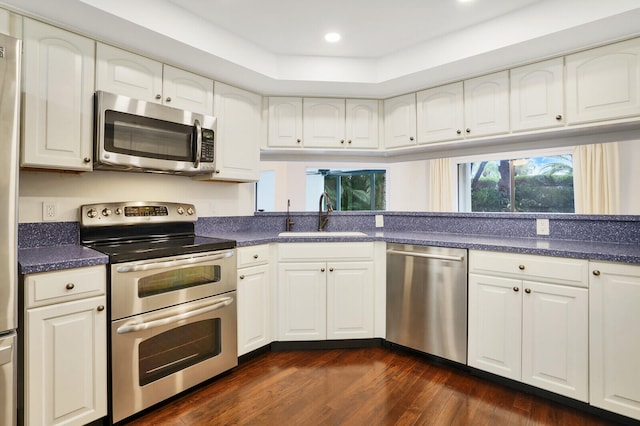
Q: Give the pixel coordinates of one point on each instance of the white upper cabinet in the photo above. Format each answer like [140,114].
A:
[440,113]
[323,122]
[128,74]
[10,23]
[237,149]
[125,73]
[400,121]
[58,86]
[362,123]
[486,104]
[285,122]
[604,83]
[537,95]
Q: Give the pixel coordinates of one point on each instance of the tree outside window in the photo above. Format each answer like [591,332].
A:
[355,189]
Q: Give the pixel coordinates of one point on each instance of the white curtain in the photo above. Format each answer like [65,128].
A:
[596,178]
[440,185]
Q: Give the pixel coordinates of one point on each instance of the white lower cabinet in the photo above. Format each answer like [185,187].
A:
[254,298]
[325,291]
[614,337]
[65,347]
[528,320]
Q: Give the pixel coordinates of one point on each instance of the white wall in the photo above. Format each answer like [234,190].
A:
[70,190]
[629,152]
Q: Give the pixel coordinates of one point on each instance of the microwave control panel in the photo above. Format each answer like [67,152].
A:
[208,146]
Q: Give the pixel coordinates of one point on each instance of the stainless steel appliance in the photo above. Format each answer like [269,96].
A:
[172,300]
[427,299]
[141,136]
[9,131]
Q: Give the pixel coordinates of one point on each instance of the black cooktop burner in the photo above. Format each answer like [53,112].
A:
[126,251]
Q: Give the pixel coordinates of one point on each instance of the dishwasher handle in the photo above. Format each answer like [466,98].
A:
[426,255]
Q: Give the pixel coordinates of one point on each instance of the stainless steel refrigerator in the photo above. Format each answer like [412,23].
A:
[9,136]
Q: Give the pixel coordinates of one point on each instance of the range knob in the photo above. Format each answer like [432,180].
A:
[92,213]
[190,211]
[106,212]
[180,210]
[118,211]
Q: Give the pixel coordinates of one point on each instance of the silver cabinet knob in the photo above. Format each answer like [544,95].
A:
[459,132]
[559,117]
[527,290]
[516,289]
[298,140]
[168,99]
[468,130]
[242,277]
[100,308]
[342,141]
[349,141]
[411,138]
[521,267]
[158,96]
[330,269]
[321,269]
[596,272]
[255,256]
[86,159]
[70,286]
[217,171]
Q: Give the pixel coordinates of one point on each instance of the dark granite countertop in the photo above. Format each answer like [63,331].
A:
[52,258]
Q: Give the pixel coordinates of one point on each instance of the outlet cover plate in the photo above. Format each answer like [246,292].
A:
[542,226]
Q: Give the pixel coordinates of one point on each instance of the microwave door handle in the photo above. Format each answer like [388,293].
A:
[198,129]
[133,327]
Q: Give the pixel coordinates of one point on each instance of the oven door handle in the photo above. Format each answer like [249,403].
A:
[133,327]
[172,263]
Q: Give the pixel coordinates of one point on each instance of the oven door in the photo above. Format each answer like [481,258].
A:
[159,354]
[147,285]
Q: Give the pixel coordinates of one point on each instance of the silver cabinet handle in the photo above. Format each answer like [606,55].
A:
[147,266]
[133,327]
[425,255]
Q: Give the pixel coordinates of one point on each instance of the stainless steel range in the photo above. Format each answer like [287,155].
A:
[172,300]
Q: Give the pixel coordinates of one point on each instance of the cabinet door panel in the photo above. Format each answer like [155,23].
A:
[486,104]
[362,123]
[495,312]
[254,313]
[555,339]
[350,300]
[302,301]
[323,123]
[400,121]
[188,91]
[58,98]
[285,122]
[440,113]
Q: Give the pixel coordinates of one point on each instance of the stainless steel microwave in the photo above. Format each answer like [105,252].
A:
[141,136]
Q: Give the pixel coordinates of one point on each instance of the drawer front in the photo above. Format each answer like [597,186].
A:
[325,251]
[61,286]
[550,269]
[253,255]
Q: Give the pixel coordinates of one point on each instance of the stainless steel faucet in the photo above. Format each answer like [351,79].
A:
[323,218]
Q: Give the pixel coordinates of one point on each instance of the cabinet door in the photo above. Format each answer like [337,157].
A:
[10,23]
[285,122]
[66,363]
[58,98]
[254,308]
[400,121]
[362,123]
[350,300]
[238,136]
[323,123]
[486,104]
[188,91]
[302,301]
[128,74]
[555,339]
[614,346]
[495,315]
[537,95]
[604,83]
[440,113]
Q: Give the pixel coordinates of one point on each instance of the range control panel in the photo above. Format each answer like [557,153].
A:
[111,214]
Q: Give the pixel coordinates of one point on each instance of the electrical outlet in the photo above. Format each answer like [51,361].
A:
[542,226]
[379,221]
[49,211]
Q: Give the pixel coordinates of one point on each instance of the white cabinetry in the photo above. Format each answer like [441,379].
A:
[604,83]
[537,95]
[325,291]
[614,345]
[237,151]
[440,113]
[486,104]
[254,298]
[125,73]
[65,347]
[58,98]
[400,121]
[10,23]
[362,123]
[528,320]
[285,122]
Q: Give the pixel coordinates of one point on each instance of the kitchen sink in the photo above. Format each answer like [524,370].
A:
[320,234]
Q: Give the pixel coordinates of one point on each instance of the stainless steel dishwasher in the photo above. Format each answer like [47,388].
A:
[427,299]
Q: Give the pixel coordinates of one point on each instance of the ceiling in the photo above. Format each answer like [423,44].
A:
[276,47]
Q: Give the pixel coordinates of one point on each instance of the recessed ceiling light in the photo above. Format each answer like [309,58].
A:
[332,37]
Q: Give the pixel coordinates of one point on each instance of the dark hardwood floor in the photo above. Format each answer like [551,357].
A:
[373,386]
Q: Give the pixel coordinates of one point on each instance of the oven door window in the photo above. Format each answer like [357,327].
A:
[178,279]
[178,348]
[148,137]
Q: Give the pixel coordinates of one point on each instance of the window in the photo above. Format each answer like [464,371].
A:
[349,190]
[534,184]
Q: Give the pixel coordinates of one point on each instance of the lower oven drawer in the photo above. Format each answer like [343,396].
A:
[159,354]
